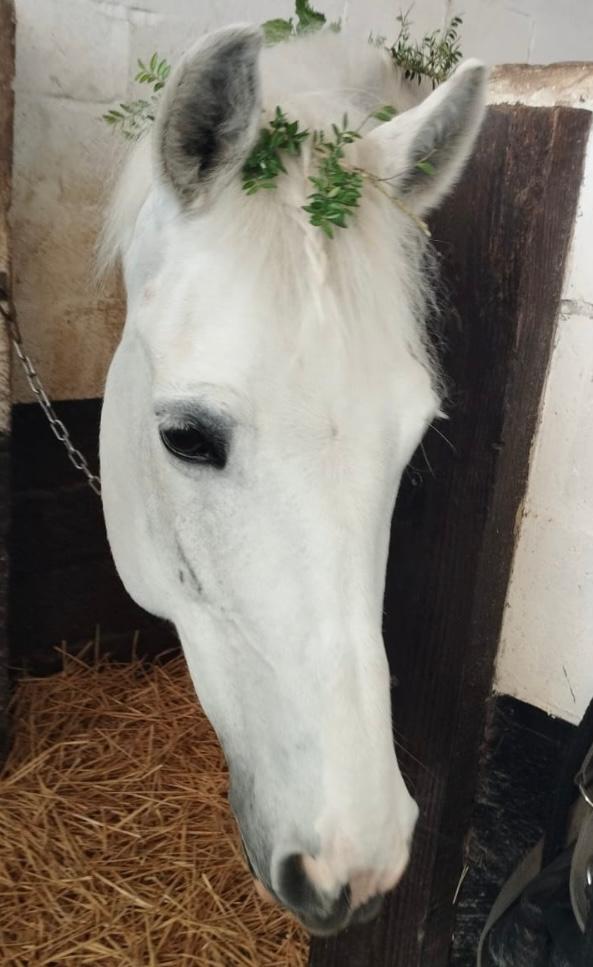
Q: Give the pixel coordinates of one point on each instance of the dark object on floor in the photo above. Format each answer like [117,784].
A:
[519,760]
[543,916]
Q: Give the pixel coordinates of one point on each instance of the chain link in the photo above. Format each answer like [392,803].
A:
[7,310]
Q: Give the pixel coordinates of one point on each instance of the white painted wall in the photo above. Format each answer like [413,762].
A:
[75,58]
[546,649]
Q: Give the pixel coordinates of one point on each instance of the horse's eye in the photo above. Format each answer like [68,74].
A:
[195,444]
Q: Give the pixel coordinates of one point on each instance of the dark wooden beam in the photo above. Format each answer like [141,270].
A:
[7,36]
[503,240]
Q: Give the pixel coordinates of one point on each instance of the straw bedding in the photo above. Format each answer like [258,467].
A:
[116,843]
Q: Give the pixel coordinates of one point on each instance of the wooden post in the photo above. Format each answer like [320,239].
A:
[503,240]
[7,32]
[7,35]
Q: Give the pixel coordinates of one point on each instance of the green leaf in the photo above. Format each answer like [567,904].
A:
[385,113]
[426,167]
[308,19]
[277,31]
[340,220]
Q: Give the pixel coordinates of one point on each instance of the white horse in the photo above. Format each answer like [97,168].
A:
[268,391]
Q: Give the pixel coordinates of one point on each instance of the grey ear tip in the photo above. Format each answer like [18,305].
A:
[473,69]
[247,36]
[249,33]
[210,110]
[471,80]
[471,64]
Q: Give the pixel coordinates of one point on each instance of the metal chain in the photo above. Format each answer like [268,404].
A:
[8,312]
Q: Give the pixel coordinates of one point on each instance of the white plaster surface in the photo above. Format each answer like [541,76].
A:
[546,648]
[546,651]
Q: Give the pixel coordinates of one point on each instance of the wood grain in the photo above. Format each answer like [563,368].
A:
[503,240]
[7,34]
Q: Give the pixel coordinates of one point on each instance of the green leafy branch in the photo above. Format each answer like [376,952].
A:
[155,73]
[338,186]
[264,164]
[132,118]
[435,56]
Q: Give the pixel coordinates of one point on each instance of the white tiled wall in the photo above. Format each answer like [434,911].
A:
[76,57]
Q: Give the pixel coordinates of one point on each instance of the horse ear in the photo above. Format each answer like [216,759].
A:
[209,115]
[423,150]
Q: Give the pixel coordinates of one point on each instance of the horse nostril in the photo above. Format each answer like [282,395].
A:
[293,884]
[319,912]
